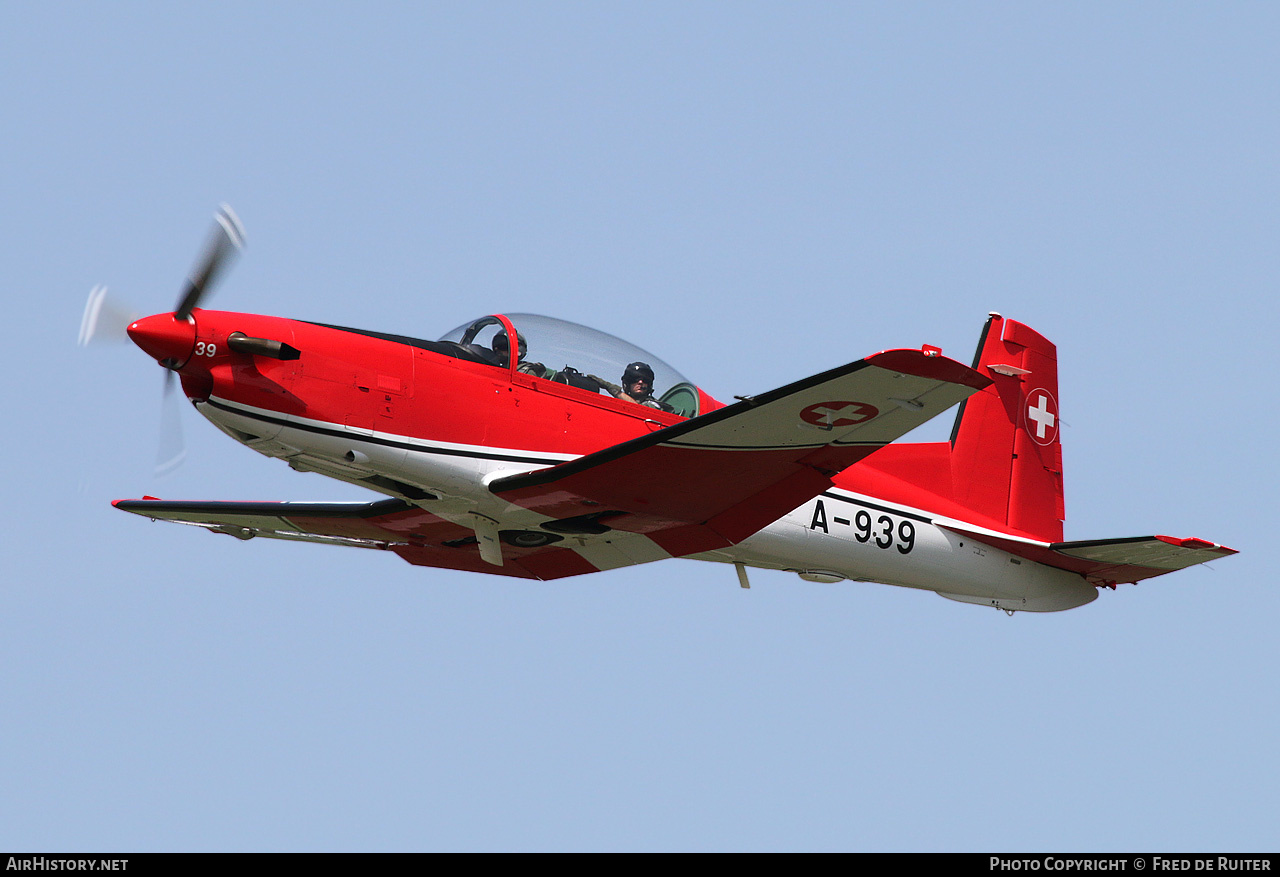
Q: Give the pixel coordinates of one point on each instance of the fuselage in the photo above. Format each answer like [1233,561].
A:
[421,421]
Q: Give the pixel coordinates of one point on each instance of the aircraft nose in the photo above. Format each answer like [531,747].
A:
[164,337]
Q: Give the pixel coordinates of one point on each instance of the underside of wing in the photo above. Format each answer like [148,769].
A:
[414,534]
[714,480]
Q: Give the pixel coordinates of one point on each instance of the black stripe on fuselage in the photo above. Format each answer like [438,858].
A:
[491,456]
[376,440]
[880,508]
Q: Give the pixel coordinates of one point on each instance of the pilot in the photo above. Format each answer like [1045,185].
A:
[502,347]
[637,386]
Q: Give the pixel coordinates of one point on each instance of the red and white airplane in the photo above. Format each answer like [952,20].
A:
[526,460]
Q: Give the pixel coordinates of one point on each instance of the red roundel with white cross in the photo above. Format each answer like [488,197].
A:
[1040,410]
[833,414]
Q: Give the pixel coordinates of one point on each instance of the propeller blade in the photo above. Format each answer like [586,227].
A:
[172,450]
[226,240]
[104,318]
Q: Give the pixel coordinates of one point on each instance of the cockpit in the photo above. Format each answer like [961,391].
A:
[574,355]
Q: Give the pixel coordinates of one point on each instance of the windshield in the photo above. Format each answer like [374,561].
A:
[573,354]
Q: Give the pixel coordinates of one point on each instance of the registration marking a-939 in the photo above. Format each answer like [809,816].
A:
[869,526]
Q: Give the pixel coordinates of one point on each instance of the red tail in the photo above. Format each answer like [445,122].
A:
[1006,459]
[1003,465]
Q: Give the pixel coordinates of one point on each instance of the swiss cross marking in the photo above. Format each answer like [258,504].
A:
[832,414]
[1042,410]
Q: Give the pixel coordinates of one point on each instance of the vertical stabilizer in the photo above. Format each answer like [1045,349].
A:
[1006,457]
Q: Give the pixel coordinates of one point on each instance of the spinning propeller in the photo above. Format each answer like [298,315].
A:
[169,338]
[225,242]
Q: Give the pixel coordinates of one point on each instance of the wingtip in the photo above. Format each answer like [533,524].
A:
[924,365]
[123,503]
[1197,544]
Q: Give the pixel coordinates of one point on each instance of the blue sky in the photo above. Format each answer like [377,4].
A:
[754,192]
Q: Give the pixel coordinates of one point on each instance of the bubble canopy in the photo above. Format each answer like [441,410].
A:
[564,352]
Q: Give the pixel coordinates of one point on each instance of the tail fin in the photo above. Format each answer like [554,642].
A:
[1006,457]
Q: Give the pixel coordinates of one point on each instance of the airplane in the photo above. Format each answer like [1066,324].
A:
[527,460]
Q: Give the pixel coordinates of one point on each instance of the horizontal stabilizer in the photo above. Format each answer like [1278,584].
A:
[712,481]
[1107,562]
[1134,559]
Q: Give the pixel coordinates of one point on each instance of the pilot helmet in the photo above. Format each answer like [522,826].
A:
[637,371]
[502,346]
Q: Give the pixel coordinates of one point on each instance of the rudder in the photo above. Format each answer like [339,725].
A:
[1006,456]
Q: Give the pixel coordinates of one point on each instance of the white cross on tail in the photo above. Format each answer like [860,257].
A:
[1041,414]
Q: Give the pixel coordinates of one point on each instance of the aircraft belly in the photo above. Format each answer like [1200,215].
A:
[254,432]
[351,445]
[868,541]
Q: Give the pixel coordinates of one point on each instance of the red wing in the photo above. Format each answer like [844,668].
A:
[714,480]
[416,535]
